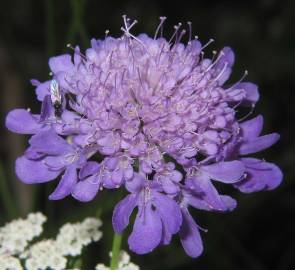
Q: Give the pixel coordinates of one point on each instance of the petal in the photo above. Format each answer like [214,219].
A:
[33,172]
[66,184]
[209,194]
[50,143]
[147,231]
[91,167]
[230,203]
[122,212]
[23,122]
[226,172]
[42,90]
[190,236]
[169,187]
[117,177]
[47,109]
[169,211]
[60,63]
[252,94]
[224,65]
[166,235]
[252,128]
[135,184]
[86,189]
[258,144]
[261,175]
[55,162]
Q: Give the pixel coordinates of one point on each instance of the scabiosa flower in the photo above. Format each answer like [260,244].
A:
[154,116]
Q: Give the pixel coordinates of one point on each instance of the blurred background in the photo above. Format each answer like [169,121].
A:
[259,234]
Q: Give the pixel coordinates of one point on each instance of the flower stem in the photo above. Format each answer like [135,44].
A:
[116,251]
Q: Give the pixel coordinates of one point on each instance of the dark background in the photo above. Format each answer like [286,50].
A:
[259,234]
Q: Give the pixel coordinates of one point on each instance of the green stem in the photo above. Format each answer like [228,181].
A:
[6,195]
[116,251]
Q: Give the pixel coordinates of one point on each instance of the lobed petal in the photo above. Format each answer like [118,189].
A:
[50,143]
[190,236]
[22,121]
[60,63]
[261,175]
[169,212]
[122,212]
[89,168]
[226,172]
[66,184]
[252,128]
[86,189]
[33,171]
[147,231]
[258,144]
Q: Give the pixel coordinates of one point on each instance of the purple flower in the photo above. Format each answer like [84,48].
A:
[157,219]
[153,116]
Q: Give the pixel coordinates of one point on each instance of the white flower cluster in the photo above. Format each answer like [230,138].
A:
[46,254]
[15,236]
[124,263]
[43,255]
[73,237]
[8,262]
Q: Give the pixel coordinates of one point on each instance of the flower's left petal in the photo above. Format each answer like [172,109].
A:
[261,175]
[123,211]
[66,184]
[33,171]
[86,189]
[23,122]
[190,236]
[147,231]
[258,144]
[60,63]
[226,172]
[169,211]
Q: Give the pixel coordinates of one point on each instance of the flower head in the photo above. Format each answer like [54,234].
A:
[154,116]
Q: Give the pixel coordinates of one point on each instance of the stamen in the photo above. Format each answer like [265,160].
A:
[248,114]
[160,26]
[106,33]
[176,27]
[189,31]
[207,44]
[76,50]
[215,62]
[221,72]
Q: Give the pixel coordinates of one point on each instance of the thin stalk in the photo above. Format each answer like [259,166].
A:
[116,251]
[6,196]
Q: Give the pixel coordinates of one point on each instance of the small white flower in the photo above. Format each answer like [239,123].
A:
[14,236]
[9,263]
[73,237]
[123,264]
[101,266]
[43,255]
